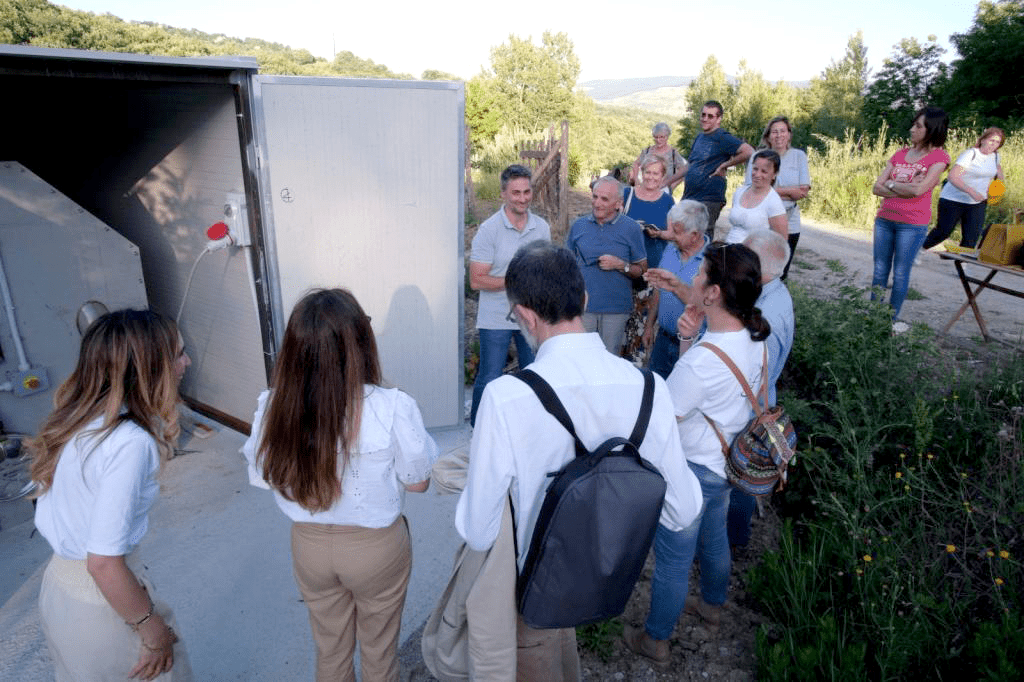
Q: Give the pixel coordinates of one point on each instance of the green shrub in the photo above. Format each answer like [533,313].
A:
[901,552]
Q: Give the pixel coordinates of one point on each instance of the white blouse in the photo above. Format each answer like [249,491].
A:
[394,449]
[101,494]
[747,220]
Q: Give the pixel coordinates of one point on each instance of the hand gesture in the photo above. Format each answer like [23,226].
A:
[156,654]
[689,323]
[609,262]
[662,279]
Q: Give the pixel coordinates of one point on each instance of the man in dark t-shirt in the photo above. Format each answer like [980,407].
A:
[714,151]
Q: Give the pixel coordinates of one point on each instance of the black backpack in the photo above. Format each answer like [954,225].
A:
[595,526]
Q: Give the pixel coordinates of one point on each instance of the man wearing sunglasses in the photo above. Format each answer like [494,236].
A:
[714,151]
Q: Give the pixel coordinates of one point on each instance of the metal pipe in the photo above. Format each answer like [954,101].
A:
[19,347]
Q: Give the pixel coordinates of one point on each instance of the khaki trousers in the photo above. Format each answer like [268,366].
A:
[353,580]
[549,655]
[87,640]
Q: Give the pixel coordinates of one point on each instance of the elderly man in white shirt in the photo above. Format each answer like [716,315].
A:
[516,443]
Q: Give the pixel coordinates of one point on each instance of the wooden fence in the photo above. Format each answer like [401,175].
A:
[548,159]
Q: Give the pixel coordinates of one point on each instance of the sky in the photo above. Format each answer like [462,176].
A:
[788,40]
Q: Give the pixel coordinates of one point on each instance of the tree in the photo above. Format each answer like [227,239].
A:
[987,82]
[483,110]
[909,79]
[536,84]
[835,99]
[435,75]
[755,103]
[710,84]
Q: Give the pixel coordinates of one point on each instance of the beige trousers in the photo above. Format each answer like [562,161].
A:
[88,641]
[548,654]
[353,580]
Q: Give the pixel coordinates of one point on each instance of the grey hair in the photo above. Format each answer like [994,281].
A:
[661,127]
[652,159]
[773,251]
[607,178]
[692,215]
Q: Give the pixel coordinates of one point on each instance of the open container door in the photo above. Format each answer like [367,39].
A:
[361,187]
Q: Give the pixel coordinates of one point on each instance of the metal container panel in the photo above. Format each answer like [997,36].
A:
[362,185]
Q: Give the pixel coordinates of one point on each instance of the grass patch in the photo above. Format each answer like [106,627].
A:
[804,264]
[835,266]
[915,295]
[901,554]
[600,637]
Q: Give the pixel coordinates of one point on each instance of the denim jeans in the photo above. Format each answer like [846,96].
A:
[493,353]
[664,353]
[970,216]
[741,510]
[674,553]
[896,246]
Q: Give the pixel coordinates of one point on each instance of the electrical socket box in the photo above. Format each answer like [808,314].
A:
[30,381]
[236,215]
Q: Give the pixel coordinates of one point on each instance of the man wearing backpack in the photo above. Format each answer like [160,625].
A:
[517,443]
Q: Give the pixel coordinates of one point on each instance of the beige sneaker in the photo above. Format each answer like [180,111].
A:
[641,643]
[711,615]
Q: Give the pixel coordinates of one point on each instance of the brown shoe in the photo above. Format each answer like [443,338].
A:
[711,615]
[639,642]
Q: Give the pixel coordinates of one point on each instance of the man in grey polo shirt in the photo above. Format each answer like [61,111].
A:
[496,241]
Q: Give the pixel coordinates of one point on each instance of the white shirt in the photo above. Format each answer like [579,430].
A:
[979,170]
[747,220]
[793,172]
[101,494]
[516,443]
[394,448]
[701,384]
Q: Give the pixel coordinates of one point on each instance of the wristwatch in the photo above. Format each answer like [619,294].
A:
[625,268]
[889,185]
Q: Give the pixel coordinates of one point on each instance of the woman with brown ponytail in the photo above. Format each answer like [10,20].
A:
[705,390]
[96,459]
[339,451]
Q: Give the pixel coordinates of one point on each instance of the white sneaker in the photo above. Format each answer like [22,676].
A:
[899,327]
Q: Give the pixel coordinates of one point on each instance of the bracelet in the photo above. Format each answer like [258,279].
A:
[685,338]
[137,624]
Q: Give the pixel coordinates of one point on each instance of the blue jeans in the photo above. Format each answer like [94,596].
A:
[674,552]
[896,246]
[970,216]
[493,353]
[664,353]
[741,510]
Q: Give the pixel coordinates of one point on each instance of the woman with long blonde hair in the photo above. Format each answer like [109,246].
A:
[339,451]
[95,461]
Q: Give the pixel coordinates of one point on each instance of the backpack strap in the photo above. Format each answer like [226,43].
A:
[549,399]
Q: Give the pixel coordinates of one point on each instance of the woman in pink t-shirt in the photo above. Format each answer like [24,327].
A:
[906,187]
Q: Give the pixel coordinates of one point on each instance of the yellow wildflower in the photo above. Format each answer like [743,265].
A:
[989,553]
[1003,554]
[950,548]
[999,581]
[899,474]
[867,557]
[906,488]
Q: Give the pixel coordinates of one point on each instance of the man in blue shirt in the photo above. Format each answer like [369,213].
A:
[688,222]
[609,248]
[777,307]
[713,152]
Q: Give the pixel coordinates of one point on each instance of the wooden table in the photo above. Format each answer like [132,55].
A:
[972,296]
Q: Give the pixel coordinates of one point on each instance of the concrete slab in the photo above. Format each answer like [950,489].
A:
[218,551]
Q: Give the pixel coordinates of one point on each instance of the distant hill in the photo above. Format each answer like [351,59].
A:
[660,94]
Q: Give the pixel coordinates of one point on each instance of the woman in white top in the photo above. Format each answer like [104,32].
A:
[96,459]
[339,451]
[964,197]
[703,388]
[757,206]
[794,181]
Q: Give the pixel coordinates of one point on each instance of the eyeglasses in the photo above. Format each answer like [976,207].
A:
[703,115]
[511,317]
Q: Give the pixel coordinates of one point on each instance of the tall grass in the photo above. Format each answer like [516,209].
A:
[901,555]
[843,172]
